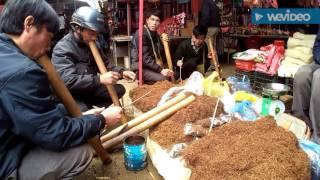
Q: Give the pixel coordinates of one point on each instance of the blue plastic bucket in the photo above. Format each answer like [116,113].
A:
[135,152]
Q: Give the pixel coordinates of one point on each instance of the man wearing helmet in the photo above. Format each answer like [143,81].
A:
[152,49]
[39,140]
[75,63]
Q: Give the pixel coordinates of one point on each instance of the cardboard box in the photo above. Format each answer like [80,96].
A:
[187,31]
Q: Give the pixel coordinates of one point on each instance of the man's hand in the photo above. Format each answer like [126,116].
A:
[109,78]
[166,72]
[180,63]
[112,115]
[129,75]
[165,37]
[210,55]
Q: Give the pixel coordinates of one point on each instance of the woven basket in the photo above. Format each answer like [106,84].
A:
[295,125]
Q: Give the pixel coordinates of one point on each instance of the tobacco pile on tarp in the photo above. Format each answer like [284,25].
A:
[151,100]
[238,150]
[247,150]
[170,131]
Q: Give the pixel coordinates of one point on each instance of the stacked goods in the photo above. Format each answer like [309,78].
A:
[154,93]
[171,131]
[298,53]
[247,150]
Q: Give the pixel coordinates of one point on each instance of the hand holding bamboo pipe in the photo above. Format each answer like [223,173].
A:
[140,119]
[214,59]
[64,95]
[103,69]
[150,122]
[165,39]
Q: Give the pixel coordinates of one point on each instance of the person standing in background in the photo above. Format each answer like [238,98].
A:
[210,19]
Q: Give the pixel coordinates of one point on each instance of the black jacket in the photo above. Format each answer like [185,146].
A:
[76,65]
[191,59]
[149,60]
[29,115]
[210,16]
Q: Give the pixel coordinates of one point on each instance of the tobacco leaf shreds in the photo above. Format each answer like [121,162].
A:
[247,150]
[149,101]
[171,132]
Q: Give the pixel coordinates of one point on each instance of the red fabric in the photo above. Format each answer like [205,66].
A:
[272,63]
[196,6]
[162,28]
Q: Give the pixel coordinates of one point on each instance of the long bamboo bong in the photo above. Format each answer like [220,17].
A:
[64,95]
[103,69]
[138,120]
[164,38]
[150,122]
[214,59]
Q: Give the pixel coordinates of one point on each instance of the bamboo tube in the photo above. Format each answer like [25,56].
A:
[115,132]
[164,38]
[64,95]
[214,59]
[150,122]
[103,69]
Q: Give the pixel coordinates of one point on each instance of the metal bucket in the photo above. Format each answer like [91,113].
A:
[135,152]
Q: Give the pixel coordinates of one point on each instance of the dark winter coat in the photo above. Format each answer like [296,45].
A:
[29,115]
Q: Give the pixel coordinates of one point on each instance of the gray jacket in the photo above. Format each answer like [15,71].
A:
[76,65]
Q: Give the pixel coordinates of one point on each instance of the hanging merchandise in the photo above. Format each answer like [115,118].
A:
[182,1]
[153,1]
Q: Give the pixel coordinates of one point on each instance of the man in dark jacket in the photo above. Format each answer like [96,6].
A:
[306,93]
[75,63]
[192,54]
[152,62]
[38,139]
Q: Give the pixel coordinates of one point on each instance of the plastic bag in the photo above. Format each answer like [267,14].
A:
[313,151]
[177,150]
[194,130]
[239,84]
[193,85]
[214,87]
[245,111]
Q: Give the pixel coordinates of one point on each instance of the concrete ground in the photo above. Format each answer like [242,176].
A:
[117,170]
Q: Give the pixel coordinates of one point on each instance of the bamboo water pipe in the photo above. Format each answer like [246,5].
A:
[150,122]
[102,68]
[165,38]
[214,59]
[64,95]
[138,120]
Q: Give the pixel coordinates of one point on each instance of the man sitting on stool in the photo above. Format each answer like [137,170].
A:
[76,65]
[192,54]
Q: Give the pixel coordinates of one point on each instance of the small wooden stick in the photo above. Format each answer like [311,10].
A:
[214,115]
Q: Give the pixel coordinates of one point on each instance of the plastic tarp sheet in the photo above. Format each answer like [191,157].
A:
[169,168]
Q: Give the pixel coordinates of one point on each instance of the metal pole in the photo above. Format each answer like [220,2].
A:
[140,40]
